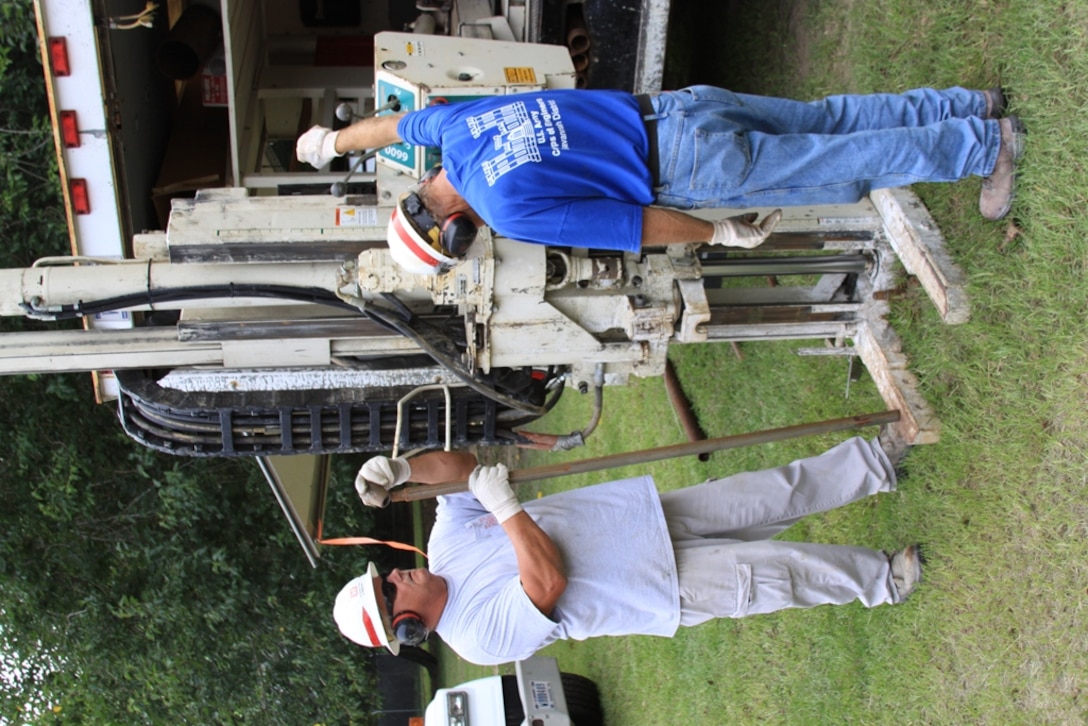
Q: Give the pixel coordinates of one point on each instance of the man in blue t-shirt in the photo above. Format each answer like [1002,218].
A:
[608,170]
[506,579]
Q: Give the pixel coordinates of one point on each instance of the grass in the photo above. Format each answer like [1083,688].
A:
[996,634]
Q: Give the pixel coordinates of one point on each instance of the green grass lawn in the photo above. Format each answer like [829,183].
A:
[996,634]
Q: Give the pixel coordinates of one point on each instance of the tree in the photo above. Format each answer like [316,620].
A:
[136,587]
[31,212]
[156,589]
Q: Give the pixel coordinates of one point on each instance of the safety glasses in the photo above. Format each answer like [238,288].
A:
[389,592]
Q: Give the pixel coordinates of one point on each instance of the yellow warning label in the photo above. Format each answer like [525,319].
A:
[520,75]
[356,216]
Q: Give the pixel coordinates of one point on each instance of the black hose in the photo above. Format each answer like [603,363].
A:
[437,344]
[314,295]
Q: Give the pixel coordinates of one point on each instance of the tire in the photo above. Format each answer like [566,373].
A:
[513,713]
[421,657]
[583,700]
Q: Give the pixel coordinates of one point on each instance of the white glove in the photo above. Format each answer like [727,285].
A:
[378,475]
[742,231]
[385,472]
[491,485]
[371,494]
[317,147]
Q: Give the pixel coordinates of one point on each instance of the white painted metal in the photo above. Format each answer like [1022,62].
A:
[650,65]
[56,286]
[98,233]
[421,70]
[72,351]
[221,216]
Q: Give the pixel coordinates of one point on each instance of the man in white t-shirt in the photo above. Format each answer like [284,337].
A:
[506,579]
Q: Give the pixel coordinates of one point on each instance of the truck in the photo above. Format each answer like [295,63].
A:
[153,104]
[239,308]
[537,694]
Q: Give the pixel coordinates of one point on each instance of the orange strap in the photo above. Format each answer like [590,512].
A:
[370,541]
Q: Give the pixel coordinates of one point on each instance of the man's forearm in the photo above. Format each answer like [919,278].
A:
[540,564]
[442,467]
[671,226]
[369,133]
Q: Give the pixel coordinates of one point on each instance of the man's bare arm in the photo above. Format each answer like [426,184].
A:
[540,565]
[670,226]
[369,133]
[442,467]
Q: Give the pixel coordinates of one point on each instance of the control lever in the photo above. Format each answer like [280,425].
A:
[346,112]
[340,188]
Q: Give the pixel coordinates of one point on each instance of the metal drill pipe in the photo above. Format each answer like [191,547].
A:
[800,265]
[536,473]
[681,406]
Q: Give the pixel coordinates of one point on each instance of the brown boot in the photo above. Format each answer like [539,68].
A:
[906,570]
[999,189]
[995,102]
[895,448]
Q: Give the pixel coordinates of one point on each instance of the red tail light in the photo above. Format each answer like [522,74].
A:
[81,197]
[58,55]
[69,129]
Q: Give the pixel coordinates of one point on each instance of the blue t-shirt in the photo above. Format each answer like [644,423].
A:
[561,167]
[620,567]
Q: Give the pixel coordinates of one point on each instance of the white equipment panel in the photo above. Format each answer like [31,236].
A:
[421,70]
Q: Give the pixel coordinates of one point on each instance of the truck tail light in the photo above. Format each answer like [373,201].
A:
[58,56]
[69,129]
[81,197]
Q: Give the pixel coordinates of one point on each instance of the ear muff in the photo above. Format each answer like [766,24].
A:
[409,628]
[458,234]
[455,234]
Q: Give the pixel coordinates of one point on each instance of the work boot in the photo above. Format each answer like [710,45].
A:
[996,102]
[906,570]
[895,448]
[999,189]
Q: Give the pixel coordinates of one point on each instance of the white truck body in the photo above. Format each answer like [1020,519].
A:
[540,688]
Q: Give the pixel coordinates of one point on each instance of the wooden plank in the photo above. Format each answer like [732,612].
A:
[882,352]
[920,246]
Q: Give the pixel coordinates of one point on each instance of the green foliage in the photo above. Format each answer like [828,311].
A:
[150,589]
[135,587]
[31,213]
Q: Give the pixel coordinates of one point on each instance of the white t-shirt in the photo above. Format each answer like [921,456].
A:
[620,567]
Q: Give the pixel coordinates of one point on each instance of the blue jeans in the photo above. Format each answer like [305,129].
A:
[723,149]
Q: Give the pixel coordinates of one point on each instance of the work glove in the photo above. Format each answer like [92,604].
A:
[491,485]
[377,476]
[317,147]
[742,231]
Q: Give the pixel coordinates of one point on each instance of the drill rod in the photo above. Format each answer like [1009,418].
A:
[549,471]
[682,408]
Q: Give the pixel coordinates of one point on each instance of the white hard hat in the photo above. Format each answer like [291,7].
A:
[416,250]
[359,616]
